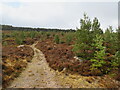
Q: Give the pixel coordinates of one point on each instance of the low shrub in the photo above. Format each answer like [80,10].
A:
[48,35]
[115,63]
[56,39]
[18,40]
[5,43]
[68,39]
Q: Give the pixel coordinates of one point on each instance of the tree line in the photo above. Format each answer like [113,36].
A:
[10,27]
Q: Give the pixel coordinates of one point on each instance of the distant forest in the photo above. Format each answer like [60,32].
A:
[10,27]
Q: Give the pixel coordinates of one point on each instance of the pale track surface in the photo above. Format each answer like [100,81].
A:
[37,74]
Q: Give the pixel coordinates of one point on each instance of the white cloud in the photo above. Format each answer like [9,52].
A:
[57,15]
[60,0]
[32,13]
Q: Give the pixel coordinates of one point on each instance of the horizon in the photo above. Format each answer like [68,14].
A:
[37,27]
[58,15]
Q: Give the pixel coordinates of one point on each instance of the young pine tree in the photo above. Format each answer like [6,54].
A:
[111,40]
[99,57]
[83,38]
[96,27]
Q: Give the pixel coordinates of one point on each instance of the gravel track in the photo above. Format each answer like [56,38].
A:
[37,74]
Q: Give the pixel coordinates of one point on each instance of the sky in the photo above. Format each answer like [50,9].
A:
[119,13]
[57,14]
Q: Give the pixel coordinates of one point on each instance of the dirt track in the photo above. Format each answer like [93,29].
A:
[37,74]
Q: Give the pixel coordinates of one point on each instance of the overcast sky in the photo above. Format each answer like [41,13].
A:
[57,14]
